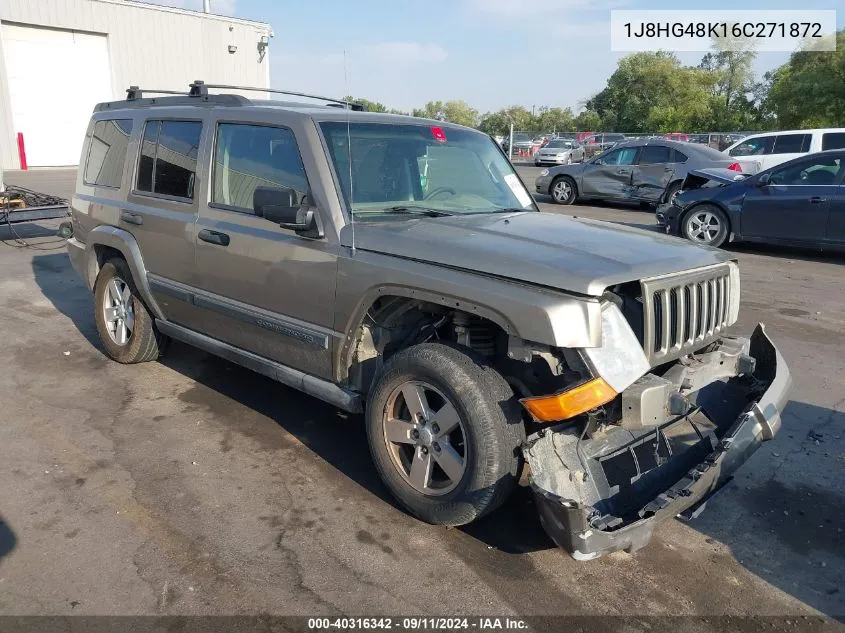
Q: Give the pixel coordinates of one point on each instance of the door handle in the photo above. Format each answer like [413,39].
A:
[132,218]
[214,237]
[623,171]
[817,200]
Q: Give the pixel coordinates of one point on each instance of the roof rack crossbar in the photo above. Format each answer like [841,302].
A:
[134,92]
[199,85]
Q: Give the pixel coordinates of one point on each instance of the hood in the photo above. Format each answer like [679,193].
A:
[555,150]
[571,170]
[571,254]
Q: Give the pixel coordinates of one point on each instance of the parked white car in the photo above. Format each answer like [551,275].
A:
[761,151]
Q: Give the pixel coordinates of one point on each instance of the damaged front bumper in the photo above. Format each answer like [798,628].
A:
[607,492]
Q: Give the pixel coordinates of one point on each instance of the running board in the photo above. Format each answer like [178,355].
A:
[313,386]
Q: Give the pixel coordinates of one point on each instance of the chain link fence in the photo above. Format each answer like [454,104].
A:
[526,143]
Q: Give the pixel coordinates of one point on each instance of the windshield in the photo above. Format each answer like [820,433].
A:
[420,168]
[559,145]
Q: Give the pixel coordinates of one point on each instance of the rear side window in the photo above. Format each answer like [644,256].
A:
[833,140]
[792,144]
[756,146]
[107,152]
[680,157]
[655,154]
[168,161]
[251,156]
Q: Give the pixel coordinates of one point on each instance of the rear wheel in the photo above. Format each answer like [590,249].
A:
[444,432]
[563,190]
[672,192]
[126,327]
[705,224]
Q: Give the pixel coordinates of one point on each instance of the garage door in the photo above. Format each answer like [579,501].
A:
[55,79]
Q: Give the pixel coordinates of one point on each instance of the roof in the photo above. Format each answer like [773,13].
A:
[140,4]
[315,111]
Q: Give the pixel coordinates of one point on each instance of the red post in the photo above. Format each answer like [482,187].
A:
[21,150]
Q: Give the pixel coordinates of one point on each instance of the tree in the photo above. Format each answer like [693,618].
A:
[653,91]
[809,90]
[588,121]
[556,120]
[730,66]
[458,112]
[369,106]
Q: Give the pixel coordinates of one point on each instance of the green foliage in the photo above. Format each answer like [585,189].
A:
[369,106]
[458,112]
[809,90]
[588,121]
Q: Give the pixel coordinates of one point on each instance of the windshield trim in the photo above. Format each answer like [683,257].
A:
[346,212]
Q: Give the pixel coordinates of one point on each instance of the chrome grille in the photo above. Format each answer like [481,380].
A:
[684,312]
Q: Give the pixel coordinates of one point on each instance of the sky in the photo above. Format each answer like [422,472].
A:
[489,53]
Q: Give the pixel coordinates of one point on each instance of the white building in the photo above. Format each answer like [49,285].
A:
[58,58]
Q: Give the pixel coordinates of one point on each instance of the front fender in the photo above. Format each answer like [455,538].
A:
[124,242]
[531,313]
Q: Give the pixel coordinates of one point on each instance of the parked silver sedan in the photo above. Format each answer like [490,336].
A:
[559,152]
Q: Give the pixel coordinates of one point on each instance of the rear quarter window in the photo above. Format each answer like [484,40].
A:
[107,152]
[791,144]
[833,140]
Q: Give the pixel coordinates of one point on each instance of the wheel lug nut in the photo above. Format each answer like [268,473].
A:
[436,447]
[424,450]
[435,427]
[415,434]
[422,421]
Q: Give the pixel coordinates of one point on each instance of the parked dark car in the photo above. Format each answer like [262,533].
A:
[798,203]
[648,171]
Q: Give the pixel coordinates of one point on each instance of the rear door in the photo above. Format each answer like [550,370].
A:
[652,172]
[795,205]
[161,208]
[610,176]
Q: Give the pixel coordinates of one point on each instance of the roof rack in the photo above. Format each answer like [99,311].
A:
[198,91]
[200,88]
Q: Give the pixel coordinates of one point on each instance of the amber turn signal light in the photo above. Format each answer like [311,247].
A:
[568,404]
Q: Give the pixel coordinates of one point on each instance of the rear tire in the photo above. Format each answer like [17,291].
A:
[126,327]
[672,191]
[563,190]
[453,454]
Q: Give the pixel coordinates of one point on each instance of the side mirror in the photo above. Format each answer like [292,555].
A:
[764,180]
[278,205]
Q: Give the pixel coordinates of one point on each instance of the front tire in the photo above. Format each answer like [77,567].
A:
[444,432]
[563,190]
[705,224]
[126,327]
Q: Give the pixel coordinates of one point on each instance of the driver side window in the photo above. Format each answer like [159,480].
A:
[819,171]
[623,156]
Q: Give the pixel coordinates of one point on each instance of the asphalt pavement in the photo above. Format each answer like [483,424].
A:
[192,486]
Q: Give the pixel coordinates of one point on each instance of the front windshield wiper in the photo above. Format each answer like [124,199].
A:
[415,210]
[509,210]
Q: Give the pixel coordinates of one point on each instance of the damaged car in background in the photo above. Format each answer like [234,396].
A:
[399,268]
[798,203]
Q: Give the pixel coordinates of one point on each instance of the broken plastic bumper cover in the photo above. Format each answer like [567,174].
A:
[608,493]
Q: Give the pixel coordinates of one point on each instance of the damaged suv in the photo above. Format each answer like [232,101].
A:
[399,267]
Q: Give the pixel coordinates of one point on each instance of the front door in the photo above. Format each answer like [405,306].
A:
[262,288]
[610,175]
[795,204]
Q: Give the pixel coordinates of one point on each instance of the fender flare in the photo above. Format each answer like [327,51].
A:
[344,352]
[123,242]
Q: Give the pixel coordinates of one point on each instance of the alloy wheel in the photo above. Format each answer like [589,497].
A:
[425,438]
[703,226]
[119,311]
[562,190]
